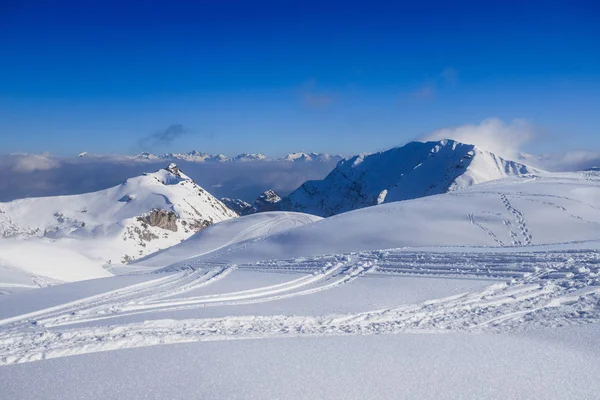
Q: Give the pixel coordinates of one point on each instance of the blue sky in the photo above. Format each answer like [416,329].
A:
[275,77]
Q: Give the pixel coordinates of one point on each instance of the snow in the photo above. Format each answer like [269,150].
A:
[524,291]
[558,365]
[239,206]
[488,291]
[227,233]
[514,212]
[310,157]
[267,201]
[195,156]
[80,233]
[39,259]
[408,172]
[246,157]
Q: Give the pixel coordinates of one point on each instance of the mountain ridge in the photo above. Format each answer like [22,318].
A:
[196,156]
[417,169]
[119,224]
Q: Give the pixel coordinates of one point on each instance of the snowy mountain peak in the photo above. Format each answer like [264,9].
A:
[197,156]
[267,201]
[140,216]
[297,157]
[172,168]
[415,170]
[309,157]
[249,157]
[239,206]
[146,156]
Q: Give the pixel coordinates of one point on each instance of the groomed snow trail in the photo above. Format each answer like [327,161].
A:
[529,289]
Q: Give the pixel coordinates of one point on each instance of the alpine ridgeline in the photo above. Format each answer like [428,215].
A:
[142,215]
[415,170]
[267,201]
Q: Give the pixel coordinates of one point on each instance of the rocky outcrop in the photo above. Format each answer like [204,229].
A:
[268,201]
[239,206]
[174,169]
[161,219]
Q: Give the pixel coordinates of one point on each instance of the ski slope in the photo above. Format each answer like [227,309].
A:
[467,294]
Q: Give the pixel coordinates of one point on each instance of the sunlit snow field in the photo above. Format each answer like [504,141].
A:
[489,290]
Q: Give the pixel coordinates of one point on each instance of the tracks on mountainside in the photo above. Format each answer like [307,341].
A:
[518,230]
[158,294]
[164,286]
[523,235]
[531,290]
[561,209]
[472,219]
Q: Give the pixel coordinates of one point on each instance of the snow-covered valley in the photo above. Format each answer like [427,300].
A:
[491,289]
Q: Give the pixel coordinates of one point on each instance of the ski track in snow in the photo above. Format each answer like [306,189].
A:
[531,289]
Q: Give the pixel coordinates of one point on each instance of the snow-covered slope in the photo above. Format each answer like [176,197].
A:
[38,262]
[225,234]
[412,171]
[142,215]
[513,212]
[356,320]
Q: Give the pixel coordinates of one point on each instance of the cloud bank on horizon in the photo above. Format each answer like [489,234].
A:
[27,175]
[492,134]
[507,140]
[39,175]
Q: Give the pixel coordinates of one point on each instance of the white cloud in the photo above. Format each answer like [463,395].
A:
[575,160]
[34,162]
[38,175]
[492,134]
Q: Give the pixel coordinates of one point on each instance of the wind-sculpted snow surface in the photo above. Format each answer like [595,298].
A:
[532,290]
[485,275]
[220,236]
[511,212]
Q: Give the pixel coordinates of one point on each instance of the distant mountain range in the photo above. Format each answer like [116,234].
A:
[196,156]
[155,211]
[418,169]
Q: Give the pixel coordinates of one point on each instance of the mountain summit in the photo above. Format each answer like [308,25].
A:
[138,217]
[415,170]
